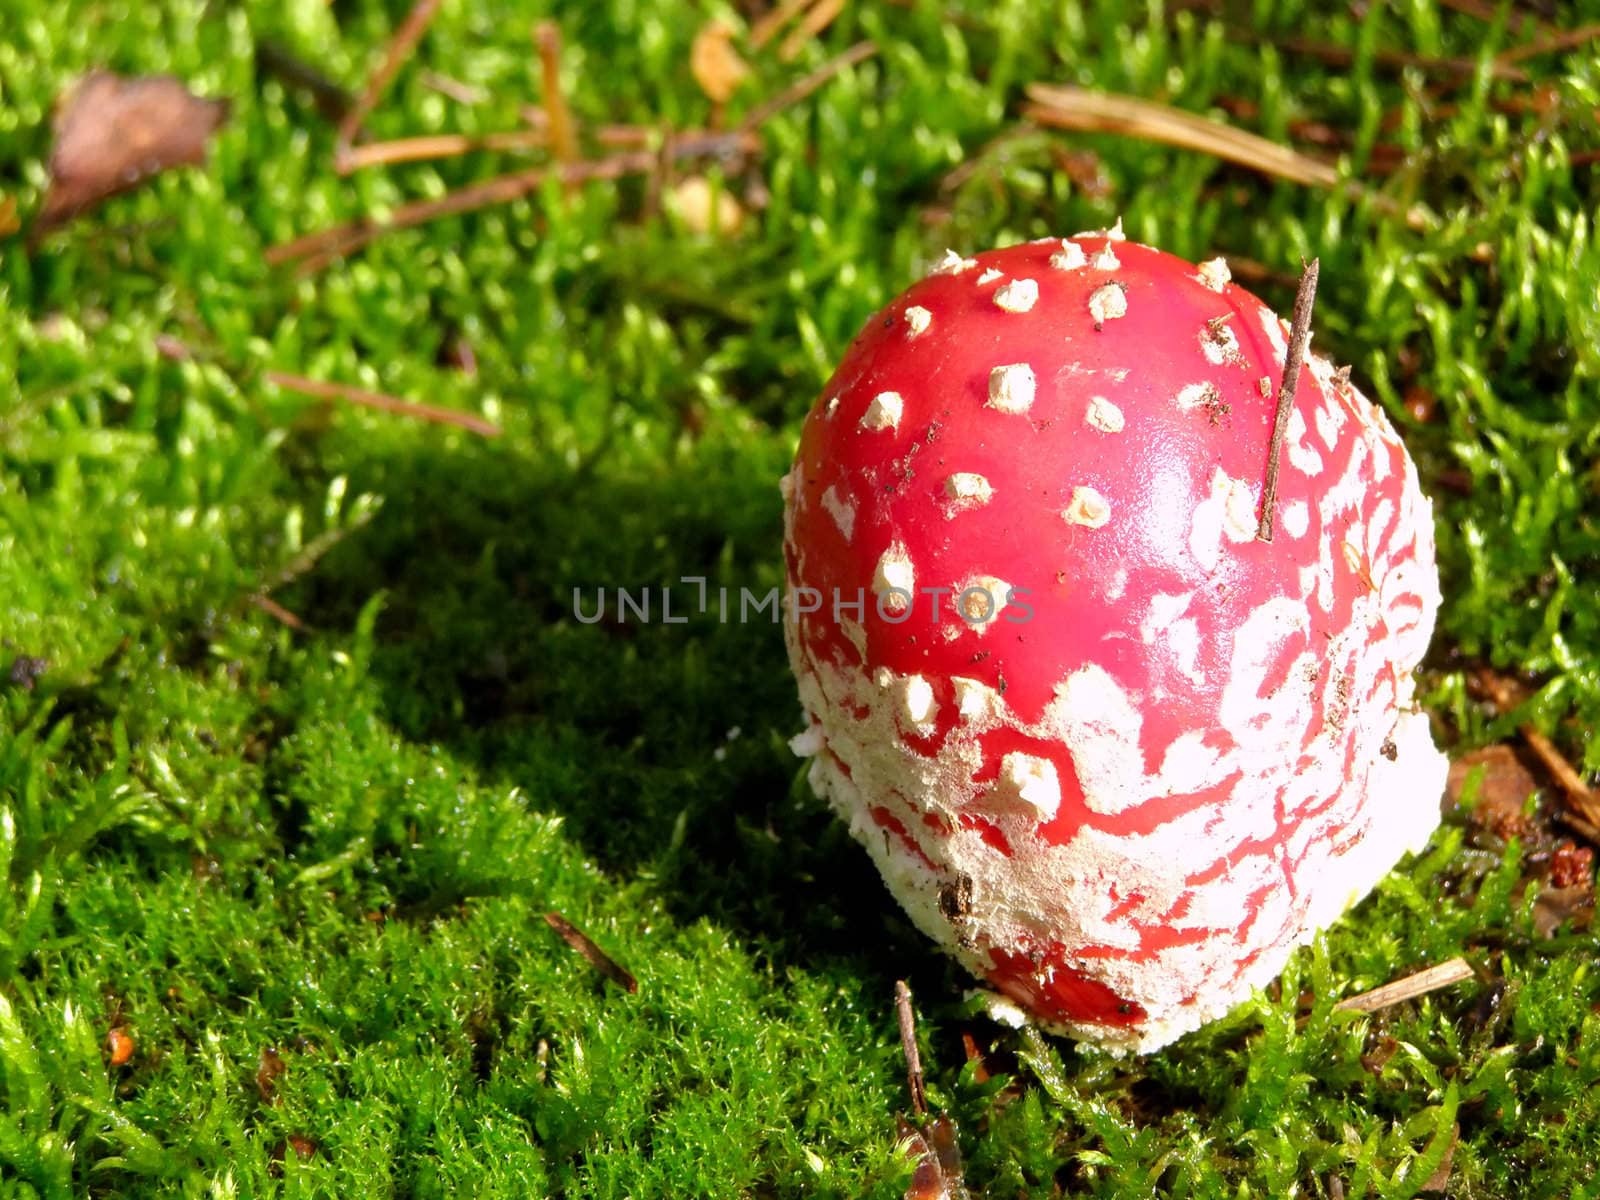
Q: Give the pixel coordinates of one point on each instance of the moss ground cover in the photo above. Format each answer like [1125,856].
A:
[303,870]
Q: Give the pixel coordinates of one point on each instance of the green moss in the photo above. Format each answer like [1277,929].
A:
[224,836]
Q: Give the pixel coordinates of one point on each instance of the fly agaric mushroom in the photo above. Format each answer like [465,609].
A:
[1114,751]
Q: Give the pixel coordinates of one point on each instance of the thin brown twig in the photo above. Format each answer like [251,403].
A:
[322,390]
[310,555]
[908,1044]
[1579,795]
[325,245]
[563,130]
[1569,39]
[806,84]
[277,611]
[1299,337]
[275,59]
[401,46]
[1578,825]
[1400,990]
[1393,60]
[821,15]
[1581,798]
[341,239]
[766,28]
[1490,13]
[596,957]
[461,93]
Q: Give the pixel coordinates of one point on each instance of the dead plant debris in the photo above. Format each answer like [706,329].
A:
[591,953]
[113,133]
[1409,988]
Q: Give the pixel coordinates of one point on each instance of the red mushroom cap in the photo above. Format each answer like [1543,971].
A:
[1115,753]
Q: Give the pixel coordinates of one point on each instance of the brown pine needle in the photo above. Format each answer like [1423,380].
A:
[1392,60]
[1299,338]
[1489,13]
[822,15]
[1409,988]
[342,239]
[401,47]
[765,29]
[320,248]
[1569,39]
[301,564]
[277,611]
[596,957]
[1104,112]
[563,131]
[804,86]
[439,145]
[461,93]
[322,390]
[908,1044]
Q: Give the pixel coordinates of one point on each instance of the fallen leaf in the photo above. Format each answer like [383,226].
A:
[1558,905]
[112,133]
[715,64]
[1506,786]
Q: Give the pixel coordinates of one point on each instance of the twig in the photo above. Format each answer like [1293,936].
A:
[331,100]
[1580,797]
[310,555]
[440,145]
[1299,336]
[596,957]
[461,93]
[341,239]
[1393,60]
[401,46]
[1490,13]
[327,244]
[1409,988]
[1569,39]
[277,611]
[765,29]
[1103,112]
[1578,825]
[908,1043]
[322,390]
[822,14]
[563,132]
[804,86]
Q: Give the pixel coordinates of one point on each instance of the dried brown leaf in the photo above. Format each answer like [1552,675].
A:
[715,64]
[112,133]
[1505,788]
[1558,905]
